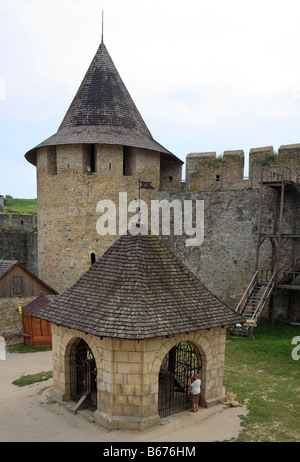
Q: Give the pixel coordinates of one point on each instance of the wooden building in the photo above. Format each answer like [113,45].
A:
[36,332]
[17,281]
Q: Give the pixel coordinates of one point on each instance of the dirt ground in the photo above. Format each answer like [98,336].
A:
[29,414]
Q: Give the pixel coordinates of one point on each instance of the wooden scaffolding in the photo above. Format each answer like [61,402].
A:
[284,268]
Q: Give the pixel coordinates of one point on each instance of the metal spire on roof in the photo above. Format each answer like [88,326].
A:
[102,26]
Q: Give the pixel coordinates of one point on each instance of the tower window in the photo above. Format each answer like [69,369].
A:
[217,177]
[93,161]
[51,160]
[93,258]
[89,158]
[128,161]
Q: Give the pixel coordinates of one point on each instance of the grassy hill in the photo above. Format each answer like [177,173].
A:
[12,205]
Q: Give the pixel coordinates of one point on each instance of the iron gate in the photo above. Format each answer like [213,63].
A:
[83,373]
[179,364]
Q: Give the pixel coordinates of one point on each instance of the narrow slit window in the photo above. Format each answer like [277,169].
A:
[128,161]
[93,158]
[89,158]
[52,160]
[93,258]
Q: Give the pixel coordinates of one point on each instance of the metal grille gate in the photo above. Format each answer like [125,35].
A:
[83,373]
[179,364]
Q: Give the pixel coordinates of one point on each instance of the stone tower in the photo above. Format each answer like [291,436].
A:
[102,147]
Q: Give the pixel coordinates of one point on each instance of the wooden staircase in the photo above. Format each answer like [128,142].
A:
[253,302]
[264,282]
[259,291]
[289,274]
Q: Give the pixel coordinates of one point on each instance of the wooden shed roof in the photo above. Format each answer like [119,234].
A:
[103,111]
[138,289]
[35,305]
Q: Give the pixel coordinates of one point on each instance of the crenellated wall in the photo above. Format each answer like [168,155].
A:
[205,171]
[18,239]
[68,196]
[18,221]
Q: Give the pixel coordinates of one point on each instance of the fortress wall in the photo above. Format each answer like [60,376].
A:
[170,174]
[18,221]
[225,261]
[4,221]
[205,171]
[22,221]
[18,239]
[68,196]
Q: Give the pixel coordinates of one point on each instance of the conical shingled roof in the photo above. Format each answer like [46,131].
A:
[137,290]
[102,112]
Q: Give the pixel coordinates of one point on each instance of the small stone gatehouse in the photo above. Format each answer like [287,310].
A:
[128,334]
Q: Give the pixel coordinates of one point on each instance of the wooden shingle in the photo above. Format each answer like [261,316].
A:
[103,112]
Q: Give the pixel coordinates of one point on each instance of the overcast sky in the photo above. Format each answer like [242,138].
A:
[205,75]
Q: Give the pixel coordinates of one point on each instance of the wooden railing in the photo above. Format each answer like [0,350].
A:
[291,267]
[267,292]
[260,276]
[279,173]
[247,294]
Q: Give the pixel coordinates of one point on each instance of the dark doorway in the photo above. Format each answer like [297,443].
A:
[83,374]
[182,361]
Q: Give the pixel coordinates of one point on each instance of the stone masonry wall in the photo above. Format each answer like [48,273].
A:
[67,201]
[205,171]
[19,240]
[10,318]
[128,371]
[67,204]
[225,262]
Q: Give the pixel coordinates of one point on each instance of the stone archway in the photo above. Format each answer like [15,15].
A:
[181,362]
[83,374]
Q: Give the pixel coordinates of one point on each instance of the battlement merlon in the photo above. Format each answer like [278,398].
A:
[207,165]
[288,155]
[18,221]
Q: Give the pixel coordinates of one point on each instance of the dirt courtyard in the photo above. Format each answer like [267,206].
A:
[29,414]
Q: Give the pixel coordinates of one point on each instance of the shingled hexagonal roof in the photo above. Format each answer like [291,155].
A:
[102,112]
[138,289]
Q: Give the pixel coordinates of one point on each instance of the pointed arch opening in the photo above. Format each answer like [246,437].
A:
[180,363]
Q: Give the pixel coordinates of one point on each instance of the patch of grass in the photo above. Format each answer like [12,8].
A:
[268,157]
[21,348]
[219,158]
[33,378]
[20,205]
[263,375]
